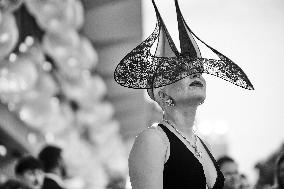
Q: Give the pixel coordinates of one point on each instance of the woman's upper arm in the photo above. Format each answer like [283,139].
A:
[146,160]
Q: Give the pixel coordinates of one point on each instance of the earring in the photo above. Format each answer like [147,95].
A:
[201,102]
[169,102]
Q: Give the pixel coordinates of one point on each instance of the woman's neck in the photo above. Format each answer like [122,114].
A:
[182,118]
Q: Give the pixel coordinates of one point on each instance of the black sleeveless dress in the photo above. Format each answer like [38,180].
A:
[183,170]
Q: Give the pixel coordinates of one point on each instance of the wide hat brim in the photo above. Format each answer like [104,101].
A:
[140,69]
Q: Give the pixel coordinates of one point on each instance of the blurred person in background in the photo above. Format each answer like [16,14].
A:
[54,167]
[13,184]
[29,171]
[230,171]
[116,183]
[279,172]
[244,182]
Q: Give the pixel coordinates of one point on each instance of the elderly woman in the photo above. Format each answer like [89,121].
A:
[171,155]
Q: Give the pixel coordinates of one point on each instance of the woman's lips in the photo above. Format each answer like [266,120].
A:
[196,84]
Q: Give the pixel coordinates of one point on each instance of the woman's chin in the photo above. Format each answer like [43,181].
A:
[196,96]
[191,101]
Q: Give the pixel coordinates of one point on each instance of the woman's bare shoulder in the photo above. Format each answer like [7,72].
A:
[146,159]
[151,135]
[154,135]
[149,143]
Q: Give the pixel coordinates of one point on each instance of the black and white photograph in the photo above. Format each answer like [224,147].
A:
[141,94]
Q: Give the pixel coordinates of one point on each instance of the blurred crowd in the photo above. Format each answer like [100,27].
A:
[48,171]
[234,179]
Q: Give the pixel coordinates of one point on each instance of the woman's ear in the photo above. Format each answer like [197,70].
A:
[165,99]
[162,95]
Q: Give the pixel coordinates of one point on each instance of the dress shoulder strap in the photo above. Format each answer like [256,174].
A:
[208,151]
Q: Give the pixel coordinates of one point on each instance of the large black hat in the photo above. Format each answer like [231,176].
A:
[140,69]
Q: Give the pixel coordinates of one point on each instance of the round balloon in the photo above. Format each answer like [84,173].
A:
[10,5]
[86,90]
[47,85]
[57,44]
[57,16]
[36,53]
[40,111]
[73,54]
[88,53]
[93,117]
[18,76]
[60,121]
[106,132]
[8,34]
